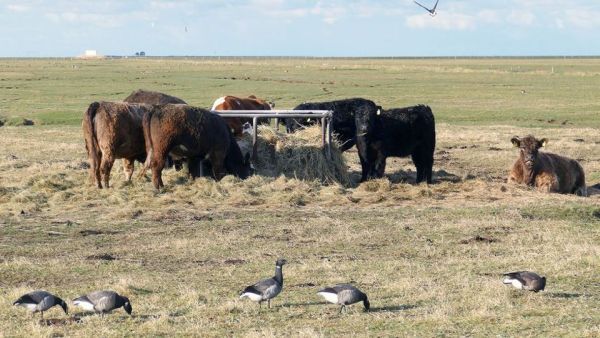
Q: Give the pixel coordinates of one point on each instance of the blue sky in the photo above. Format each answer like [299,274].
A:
[297,27]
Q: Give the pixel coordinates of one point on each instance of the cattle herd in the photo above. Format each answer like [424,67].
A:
[160,131]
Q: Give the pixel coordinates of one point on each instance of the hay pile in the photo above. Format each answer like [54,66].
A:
[299,155]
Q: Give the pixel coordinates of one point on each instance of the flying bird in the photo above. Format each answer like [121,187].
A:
[432,11]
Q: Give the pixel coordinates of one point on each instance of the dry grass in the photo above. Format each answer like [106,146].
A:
[299,155]
[430,257]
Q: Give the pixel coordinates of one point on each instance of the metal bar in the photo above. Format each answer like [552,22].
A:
[323,130]
[254,139]
[270,116]
[329,121]
[275,112]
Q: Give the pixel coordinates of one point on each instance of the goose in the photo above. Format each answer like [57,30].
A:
[40,301]
[432,11]
[266,289]
[344,294]
[103,302]
[525,280]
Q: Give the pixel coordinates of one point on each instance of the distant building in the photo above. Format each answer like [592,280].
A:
[90,54]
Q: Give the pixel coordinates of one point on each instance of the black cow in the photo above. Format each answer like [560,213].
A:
[399,133]
[343,119]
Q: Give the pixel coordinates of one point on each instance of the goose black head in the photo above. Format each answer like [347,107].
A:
[542,285]
[366,303]
[127,306]
[281,262]
[63,304]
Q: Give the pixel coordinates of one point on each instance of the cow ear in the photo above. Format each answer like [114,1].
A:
[515,141]
[542,142]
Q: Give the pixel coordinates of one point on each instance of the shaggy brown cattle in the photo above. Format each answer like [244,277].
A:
[113,130]
[150,97]
[545,171]
[193,133]
[236,103]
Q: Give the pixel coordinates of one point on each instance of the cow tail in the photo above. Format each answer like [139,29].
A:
[91,139]
[147,140]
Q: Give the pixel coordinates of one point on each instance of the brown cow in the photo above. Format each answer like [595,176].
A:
[236,103]
[150,97]
[547,172]
[193,133]
[113,130]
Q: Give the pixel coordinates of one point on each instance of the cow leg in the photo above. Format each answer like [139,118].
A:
[424,164]
[95,177]
[194,167]
[128,166]
[379,168]
[106,166]
[157,163]
[365,167]
[157,166]
[218,167]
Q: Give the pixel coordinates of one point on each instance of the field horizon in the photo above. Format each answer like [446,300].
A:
[430,257]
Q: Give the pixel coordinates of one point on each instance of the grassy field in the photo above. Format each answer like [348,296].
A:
[429,257]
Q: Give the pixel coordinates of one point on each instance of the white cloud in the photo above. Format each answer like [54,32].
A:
[489,16]
[445,21]
[521,18]
[18,8]
[583,18]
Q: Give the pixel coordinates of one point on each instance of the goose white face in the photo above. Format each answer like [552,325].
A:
[84,305]
[330,297]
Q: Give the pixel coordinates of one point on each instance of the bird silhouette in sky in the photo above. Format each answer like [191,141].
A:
[432,11]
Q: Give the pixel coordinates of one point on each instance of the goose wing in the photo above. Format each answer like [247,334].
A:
[264,287]
[435,6]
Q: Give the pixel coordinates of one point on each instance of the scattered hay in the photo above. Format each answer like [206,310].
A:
[299,155]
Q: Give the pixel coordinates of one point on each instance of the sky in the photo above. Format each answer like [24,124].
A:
[64,28]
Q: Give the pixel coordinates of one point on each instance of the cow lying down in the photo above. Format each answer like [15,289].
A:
[195,134]
[113,130]
[546,171]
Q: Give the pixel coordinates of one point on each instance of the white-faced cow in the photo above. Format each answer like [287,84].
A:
[193,133]
[237,103]
[113,130]
[396,133]
[546,171]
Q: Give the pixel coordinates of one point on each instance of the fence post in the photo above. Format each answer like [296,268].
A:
[254,139]
[329,121]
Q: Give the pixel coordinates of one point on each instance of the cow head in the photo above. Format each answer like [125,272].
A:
[365,121]
[529,147]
